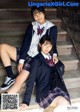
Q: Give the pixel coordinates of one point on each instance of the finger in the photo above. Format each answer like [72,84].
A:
[19,70]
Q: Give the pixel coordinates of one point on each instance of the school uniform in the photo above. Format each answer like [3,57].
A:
[48,82]
[31,40]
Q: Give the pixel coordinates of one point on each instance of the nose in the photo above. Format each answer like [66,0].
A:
[38,16]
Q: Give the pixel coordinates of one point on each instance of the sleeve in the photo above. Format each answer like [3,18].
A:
[26,42]
[53,35]
[30,82]
[60,68]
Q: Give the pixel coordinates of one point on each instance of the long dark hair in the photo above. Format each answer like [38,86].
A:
[43,39]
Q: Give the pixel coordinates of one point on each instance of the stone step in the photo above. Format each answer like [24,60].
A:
[74,95]
[18,4]
[72,78]
[21,24]
[71,62]
[24,13]
[15,38]
[65,48]
[76,100]
[74,91]
[24,22]
[26,9]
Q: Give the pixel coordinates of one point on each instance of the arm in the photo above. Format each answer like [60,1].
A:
[25,44]
[59,66]
[30,82]
[53,35]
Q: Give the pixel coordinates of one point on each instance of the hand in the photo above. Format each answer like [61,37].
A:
[20,67]
[23,107]
[55,59]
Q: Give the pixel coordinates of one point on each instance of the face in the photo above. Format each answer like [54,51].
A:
[39,17]
[46,47]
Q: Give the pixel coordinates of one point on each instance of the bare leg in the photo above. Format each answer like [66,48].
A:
[19,81]
[58,101]
[7,52]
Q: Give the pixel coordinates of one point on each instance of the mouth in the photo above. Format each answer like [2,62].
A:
[46,51]
[40,19]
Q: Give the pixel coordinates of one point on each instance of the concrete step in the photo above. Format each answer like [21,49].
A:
[15,38]
[74,93]
[18,4]
[65,48]
[23,13]
[71,62]
[20,24]
[74,90]
[72,78]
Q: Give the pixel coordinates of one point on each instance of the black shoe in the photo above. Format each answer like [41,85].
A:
[8,83]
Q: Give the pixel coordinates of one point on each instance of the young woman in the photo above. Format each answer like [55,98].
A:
[28,50]
[47,76]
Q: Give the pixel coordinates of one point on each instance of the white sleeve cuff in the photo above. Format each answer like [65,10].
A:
[54,54]
[21,61]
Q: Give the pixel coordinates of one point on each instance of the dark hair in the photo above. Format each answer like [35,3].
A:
[40,9]
[43,39]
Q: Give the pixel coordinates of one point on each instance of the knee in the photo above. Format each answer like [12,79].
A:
[18,81]
[2,47]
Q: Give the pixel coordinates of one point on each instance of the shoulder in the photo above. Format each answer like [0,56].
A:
[54,27]
[29,28]
[50,25]
[30,25]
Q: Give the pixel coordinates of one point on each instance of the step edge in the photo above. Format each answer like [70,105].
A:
[26,20]
[25,9]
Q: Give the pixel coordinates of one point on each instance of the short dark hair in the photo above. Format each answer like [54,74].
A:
[40,9]
[43,39]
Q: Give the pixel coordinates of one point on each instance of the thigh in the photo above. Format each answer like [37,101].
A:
[22,76]
[11,51]
[59,100]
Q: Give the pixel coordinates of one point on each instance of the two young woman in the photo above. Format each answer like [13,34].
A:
[48,90]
